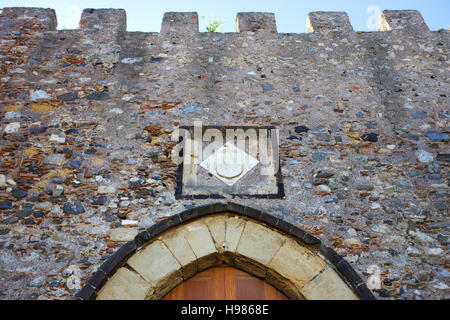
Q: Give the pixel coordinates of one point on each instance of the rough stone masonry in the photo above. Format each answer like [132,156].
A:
[86,118]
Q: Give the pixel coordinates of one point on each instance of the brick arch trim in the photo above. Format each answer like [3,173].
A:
[324,274]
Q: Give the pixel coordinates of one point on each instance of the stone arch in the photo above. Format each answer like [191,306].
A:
[175,249]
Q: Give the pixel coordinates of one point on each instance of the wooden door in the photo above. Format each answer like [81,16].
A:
[224,283]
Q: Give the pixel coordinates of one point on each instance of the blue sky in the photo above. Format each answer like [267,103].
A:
[147,15]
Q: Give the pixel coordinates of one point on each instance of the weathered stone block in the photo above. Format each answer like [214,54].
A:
[296,263]
[158,266]
[177,244]
[43,18]
[328,286]
[259,243]
[125,285]
[109,20]
[201,242]
[321,21]
[404,20]
[234,227]
[179,22]
[123,234]
[216,226]
[256,21]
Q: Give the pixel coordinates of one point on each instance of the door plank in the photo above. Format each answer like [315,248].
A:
[224,283]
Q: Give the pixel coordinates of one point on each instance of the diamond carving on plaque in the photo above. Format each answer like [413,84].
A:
[227,162]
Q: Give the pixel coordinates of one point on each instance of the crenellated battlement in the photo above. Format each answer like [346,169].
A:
[403,20]
[114,20]
[109,20]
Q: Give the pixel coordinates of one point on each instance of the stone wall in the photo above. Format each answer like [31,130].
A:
[86,117]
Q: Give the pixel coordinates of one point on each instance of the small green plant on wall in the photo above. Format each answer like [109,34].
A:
[214,23]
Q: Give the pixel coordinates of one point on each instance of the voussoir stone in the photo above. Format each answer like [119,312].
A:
[180,248]
[163,272]
[328,286]
[200,240]
[259,242]
[216,226]
[125,285]
[296,263]
[234,227]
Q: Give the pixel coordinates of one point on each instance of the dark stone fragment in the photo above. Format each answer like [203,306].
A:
[365,187]
[418,114]
[70,131]
[370,137]
[4,231]
[392,252]
[29,221]
[101,200]
[33,62]
[17,138]
[34,199]
[319,156]
[295,138]
[122,216]
[440,206]
[38,214]
[155,59]
[104,95]
[24,213]
[75,163]
[9,220]
[384,293]
[70,96]
[134,185]
[436,136]
[73,208]
[324,174]
[301,129]
[5,204]
[142,193]
[325,137]
[73,51]
[267,87]
[410,136]
[91,151]
[296,89]
[443,157]
[57,180]
[38,130]
[18,193]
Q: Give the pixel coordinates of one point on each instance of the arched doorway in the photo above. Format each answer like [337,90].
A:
[176,249]
[224,283]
